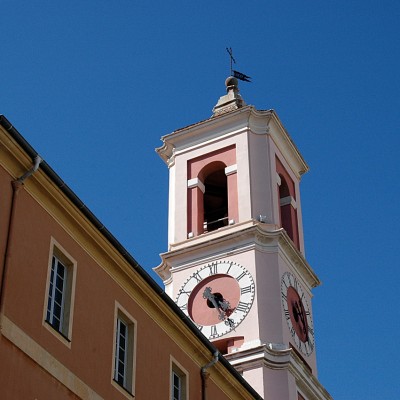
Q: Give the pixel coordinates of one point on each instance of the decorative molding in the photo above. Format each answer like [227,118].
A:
[196,182]
[163,271]
[232,169]
[284,201]
[278,356]
[167,153]
[240,236]
[227,108]
[230,123]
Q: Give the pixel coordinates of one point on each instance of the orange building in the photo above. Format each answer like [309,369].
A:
[79,318]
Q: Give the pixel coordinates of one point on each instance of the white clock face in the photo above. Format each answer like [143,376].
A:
[217,297]
[297,313]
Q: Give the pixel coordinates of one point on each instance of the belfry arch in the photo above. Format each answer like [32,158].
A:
[212,191]
[287,204]
[215,199]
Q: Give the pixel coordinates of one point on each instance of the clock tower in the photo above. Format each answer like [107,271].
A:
[235,262]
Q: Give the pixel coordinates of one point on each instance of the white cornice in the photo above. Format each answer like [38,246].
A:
[279,357]
[246,119]
[233,239]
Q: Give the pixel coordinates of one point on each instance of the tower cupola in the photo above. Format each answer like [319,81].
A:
[232,100]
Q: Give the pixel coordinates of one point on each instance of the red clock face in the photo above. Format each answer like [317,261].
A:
[217,297]
[297,313]
[202,310]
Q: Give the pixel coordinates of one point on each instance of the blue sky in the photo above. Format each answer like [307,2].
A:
[93,85]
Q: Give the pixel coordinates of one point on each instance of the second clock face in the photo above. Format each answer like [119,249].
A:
[297,313]
[217,297]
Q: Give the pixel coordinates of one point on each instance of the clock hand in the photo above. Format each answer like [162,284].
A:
[299,313]
[230,322]
[210,296]
[225,305]
[220,305]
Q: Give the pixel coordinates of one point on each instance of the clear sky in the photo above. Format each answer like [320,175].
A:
[93,85]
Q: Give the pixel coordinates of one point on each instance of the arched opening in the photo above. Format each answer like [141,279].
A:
[215,198]
[212,195]
[286,218]
[287,211]
[283,188]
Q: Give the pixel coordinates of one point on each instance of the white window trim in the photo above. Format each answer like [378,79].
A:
[65,336]
[196,182]
[231,169]
[284,201]
[278,180]
[121,313]
[174,365]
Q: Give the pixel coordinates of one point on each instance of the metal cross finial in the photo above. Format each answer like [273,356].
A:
[231,57]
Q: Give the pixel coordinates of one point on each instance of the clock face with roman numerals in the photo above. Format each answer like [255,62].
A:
[297,313]
[217,297]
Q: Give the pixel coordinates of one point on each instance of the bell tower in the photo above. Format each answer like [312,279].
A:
[235,262]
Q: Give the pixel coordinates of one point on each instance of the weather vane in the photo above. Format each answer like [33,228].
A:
[236,74]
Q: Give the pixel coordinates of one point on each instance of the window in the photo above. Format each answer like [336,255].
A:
[179,389]
[124,351]
[61,281]
[57,295]
[176,386]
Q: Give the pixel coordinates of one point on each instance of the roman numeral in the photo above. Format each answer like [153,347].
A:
[243,307]
[238,278]
[246,289]
[287,315]
[213,268]
[187,292]
[230,266]
[213,331]
[295,284]
[197,277]
[183,307]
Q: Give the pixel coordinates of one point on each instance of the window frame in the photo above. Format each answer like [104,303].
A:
[60,258]
[58,283]
[182,374]
[123,318]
